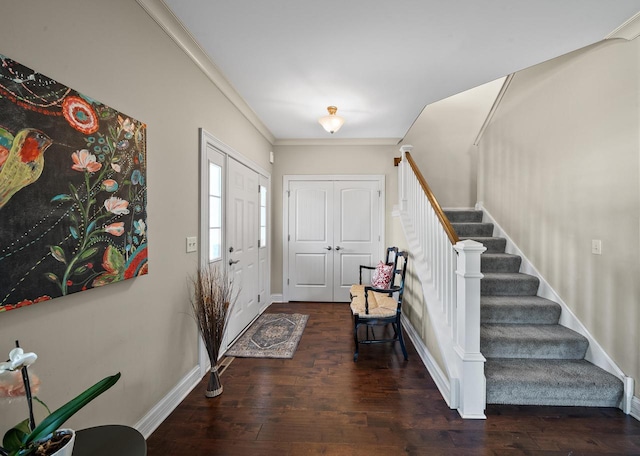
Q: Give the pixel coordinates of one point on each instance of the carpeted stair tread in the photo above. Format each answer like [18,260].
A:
[500,262]
[531,359]
[464,216]
[509,284]
[473,229]
[493,244]
[519,310]
[531,341]
[551,382]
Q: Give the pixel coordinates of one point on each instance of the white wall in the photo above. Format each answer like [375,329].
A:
[562,167]
[114,52]
[442,138]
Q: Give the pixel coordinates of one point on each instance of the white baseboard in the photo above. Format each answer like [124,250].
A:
[276,298]
[167,404]
[635,408]
[440,379]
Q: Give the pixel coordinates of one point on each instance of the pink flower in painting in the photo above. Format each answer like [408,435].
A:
[84,161]
[109,185]
[126,124]
[117,205]
[117,229]
[116,167]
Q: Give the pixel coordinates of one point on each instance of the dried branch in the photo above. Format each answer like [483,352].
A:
[212,300]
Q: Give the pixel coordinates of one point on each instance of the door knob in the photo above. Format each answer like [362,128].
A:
[232,262]
[328,247]
[338,247]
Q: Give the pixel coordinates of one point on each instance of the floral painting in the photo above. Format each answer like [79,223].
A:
[73,190]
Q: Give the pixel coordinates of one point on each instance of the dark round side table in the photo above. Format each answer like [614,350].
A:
[109,440]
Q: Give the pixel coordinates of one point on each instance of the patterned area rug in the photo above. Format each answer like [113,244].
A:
[270,336]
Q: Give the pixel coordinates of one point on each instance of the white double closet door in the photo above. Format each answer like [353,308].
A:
[333,227]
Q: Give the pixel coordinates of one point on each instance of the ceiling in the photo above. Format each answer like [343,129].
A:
[379,61]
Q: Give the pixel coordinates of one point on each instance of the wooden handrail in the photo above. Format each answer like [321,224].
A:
[444,221]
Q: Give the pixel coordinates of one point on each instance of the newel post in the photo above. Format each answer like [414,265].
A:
[470,362]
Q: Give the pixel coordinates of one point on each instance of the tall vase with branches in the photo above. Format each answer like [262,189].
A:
[212,300]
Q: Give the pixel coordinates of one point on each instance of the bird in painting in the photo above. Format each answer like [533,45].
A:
[21,160]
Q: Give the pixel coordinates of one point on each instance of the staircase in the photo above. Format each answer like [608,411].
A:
[531,359]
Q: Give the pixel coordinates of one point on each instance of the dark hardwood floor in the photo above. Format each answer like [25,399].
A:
[321,402]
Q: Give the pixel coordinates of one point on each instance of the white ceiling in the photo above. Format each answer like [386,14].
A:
[380,61]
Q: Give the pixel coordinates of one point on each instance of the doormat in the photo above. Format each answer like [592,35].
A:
[270,336]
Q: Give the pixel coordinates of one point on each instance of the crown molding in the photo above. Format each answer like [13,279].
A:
[629,30]
[338,142]
[164,17]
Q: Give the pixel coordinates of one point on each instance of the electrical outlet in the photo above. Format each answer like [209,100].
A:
[596,246]
[192,244]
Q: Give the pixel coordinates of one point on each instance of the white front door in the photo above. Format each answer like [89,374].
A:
[243,225]
[334,226]
[234,227]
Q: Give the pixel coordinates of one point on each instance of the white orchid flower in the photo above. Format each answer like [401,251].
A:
[17,360]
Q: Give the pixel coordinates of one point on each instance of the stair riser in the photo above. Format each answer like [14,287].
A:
[493,245]
[551,382]
[506,264]
[558,396]
[520,314]
[500,287]
[533,349]
[473,229]
[464,216]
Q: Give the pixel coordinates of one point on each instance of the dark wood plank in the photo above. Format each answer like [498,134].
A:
[321,402]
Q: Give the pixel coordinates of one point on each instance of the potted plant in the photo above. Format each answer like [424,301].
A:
[26,438]
[211,301]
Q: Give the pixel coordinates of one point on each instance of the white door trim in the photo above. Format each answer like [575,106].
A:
[207,139]
[324,177]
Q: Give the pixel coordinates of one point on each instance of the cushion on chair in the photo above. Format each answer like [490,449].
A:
[382,275]
[380,305]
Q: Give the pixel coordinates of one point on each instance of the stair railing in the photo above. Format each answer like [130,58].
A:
[449,273]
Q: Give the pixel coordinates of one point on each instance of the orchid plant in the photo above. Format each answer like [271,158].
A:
[22,438]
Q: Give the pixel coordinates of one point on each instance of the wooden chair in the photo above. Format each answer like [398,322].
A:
[380,307]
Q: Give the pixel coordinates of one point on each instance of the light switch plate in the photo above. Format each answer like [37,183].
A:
[192,244]
[596,246]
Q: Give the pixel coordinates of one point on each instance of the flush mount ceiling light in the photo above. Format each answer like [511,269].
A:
[332,122]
